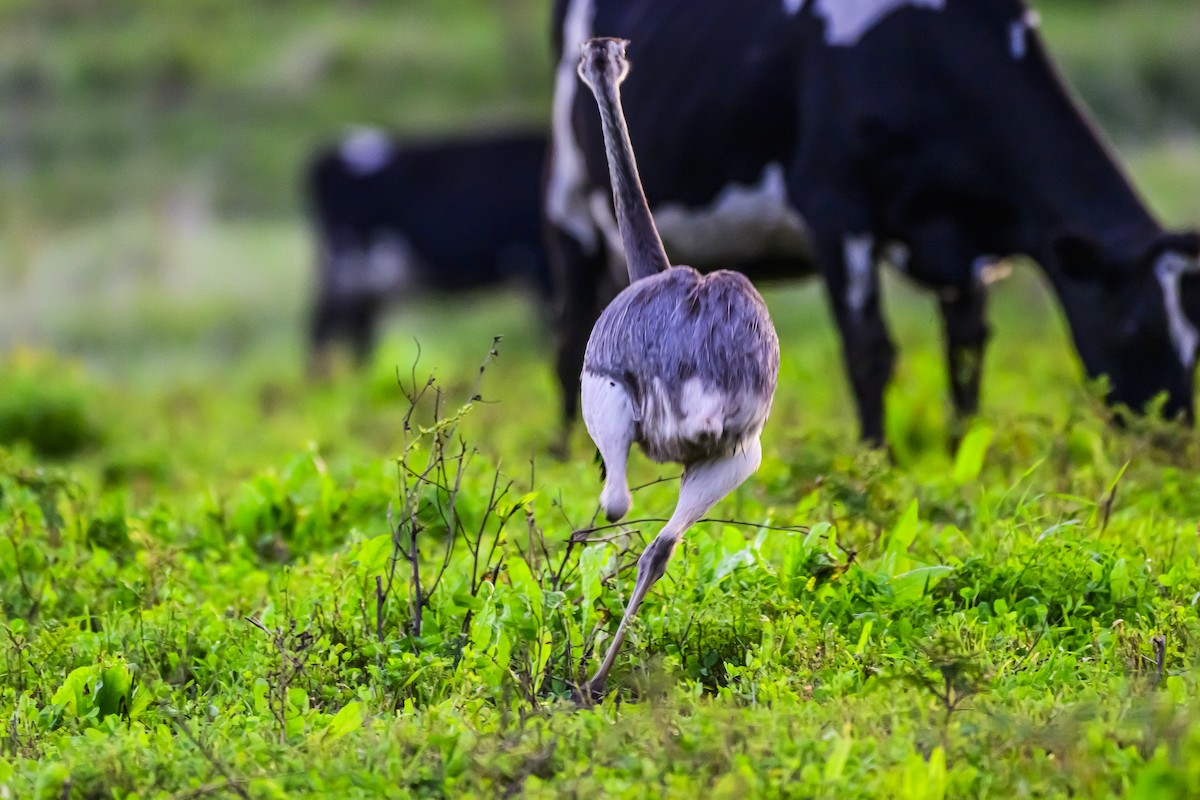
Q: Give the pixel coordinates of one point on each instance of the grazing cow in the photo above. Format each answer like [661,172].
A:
[783,137]
[395,219]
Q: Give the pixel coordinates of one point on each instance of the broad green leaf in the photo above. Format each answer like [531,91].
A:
[374,553]
[139,701]
[112,692]
[905,532]
[541,656]
[71,695]
[971,453]
[730,563]
[838,756]
[591,569]
[347,720]
[864,637]
[899,539]
[524,584]
[912,584]
[483,624]
[935,785]
[1118,579]
[815,534]
[521,502]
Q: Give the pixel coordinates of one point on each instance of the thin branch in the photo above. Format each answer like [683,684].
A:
[233,783]
[581,534]
[1160,657]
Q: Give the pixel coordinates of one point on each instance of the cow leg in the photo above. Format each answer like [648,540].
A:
[966,330]
[342,310]
[839,219]
[361,322]
[323,323]
[578,277]
[352,320]
[326,324]
[852,282]
[946,257]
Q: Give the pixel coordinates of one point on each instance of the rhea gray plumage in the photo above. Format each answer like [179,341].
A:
[680,331]
[683,364]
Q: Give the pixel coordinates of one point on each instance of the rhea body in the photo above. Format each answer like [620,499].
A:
[683,364]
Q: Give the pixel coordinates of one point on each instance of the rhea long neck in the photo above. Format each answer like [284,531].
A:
[644,253]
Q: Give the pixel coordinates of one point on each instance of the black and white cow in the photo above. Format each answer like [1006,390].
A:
[396,219]
[782,137]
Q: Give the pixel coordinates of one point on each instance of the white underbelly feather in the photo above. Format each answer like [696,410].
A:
[701,419]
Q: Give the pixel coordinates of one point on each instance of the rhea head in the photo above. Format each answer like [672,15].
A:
[604,62]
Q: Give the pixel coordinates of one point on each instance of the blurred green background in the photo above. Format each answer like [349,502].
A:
[150,150]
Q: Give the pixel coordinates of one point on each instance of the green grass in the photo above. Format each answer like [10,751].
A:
[190,600]
[198,596]
[190,603]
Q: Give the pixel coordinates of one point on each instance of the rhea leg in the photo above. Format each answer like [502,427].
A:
[703,485]
[609,417]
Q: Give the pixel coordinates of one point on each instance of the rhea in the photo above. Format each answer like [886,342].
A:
[681,363]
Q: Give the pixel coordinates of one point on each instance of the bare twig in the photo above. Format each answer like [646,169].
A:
[1160,657]
[414,558]
[451,520]
[582,534]
[379,601]
[233,784]
[291,664]
[35,600]
[412,481]
[213,787]
[1110,500]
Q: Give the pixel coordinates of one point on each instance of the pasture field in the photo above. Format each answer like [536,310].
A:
[207,587]
[220,580]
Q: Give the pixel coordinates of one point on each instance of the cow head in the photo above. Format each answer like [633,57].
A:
[1135,321]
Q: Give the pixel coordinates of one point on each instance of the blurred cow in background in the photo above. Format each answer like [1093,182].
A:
[396,219]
